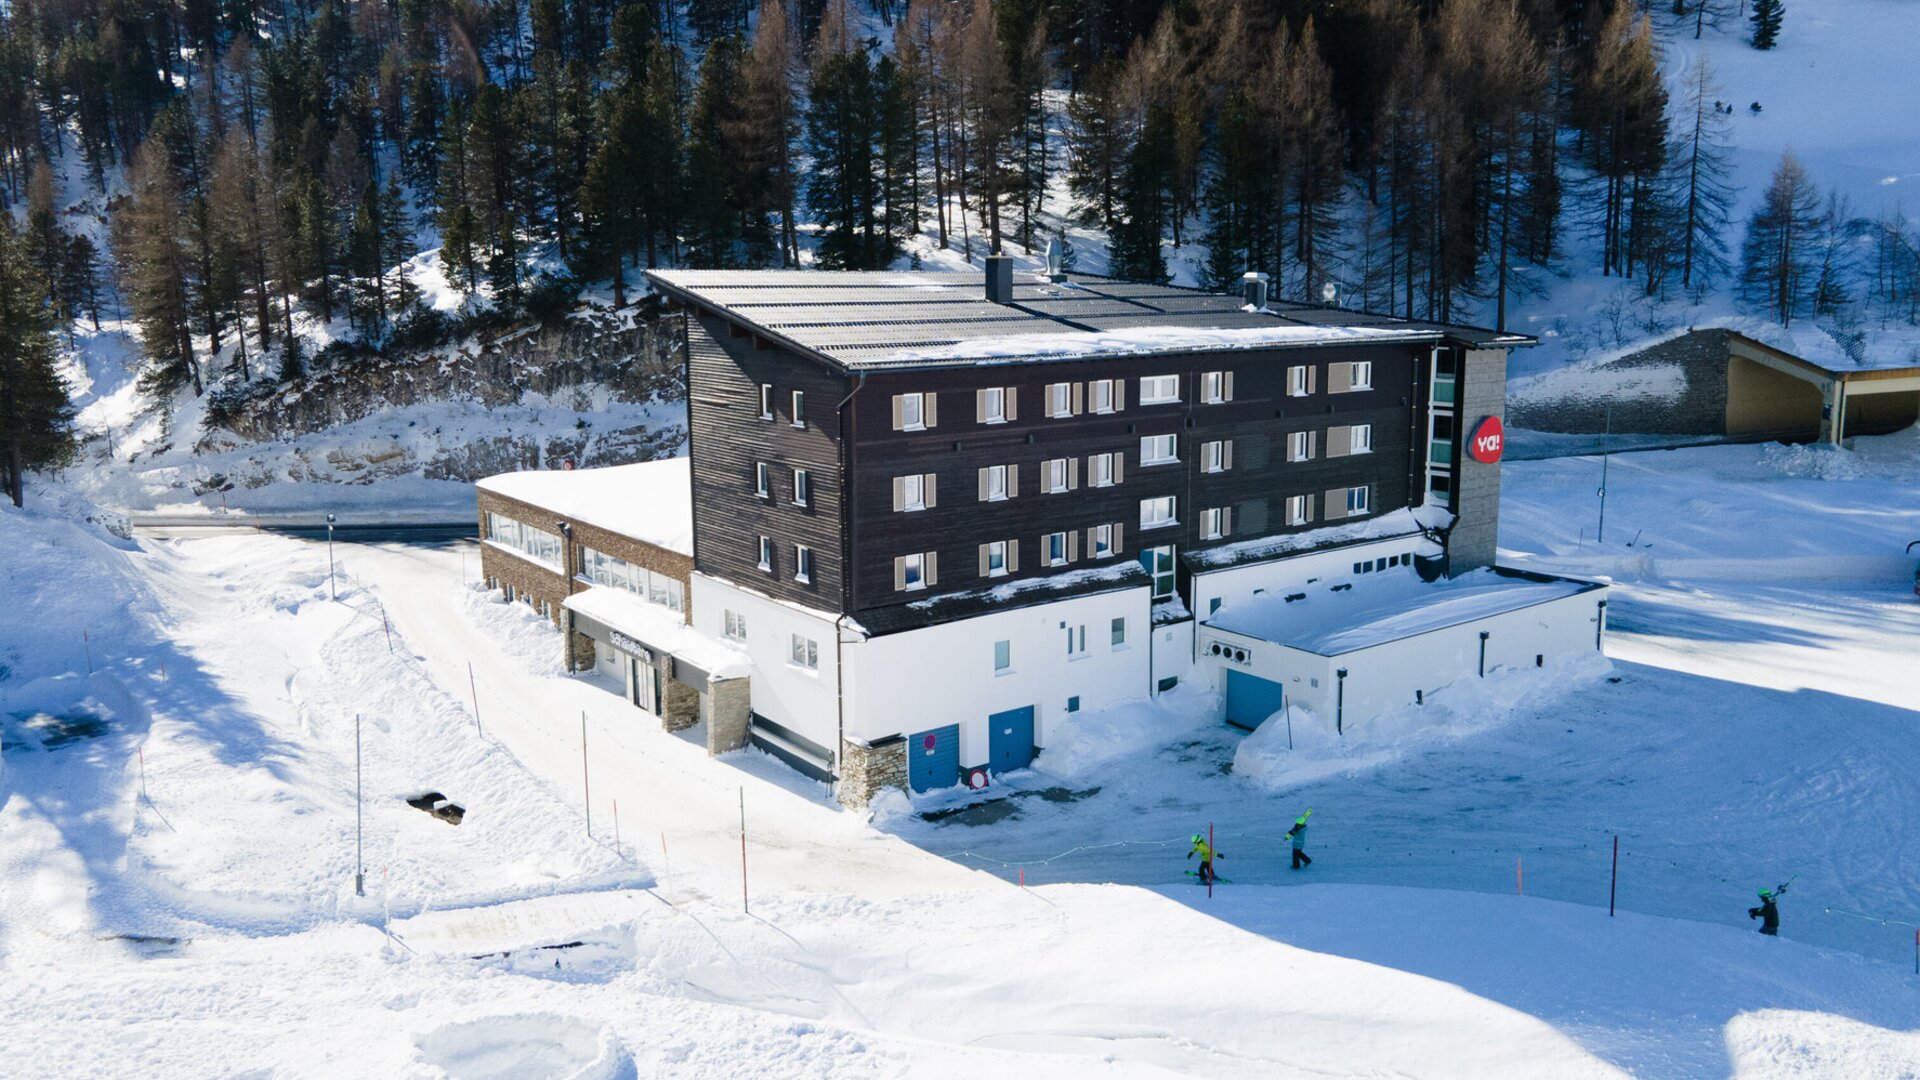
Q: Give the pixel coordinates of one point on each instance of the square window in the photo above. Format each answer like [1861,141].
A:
[1076,641]
[913,415]
[1357,500]
[1053,475]
[1213,456]
[1361,439]
[1159,389]
[1157,512]
[1100,545]
[1102,392]
[1100,470]
[736,626]
[996,483]
[993,405]
[1159,449]
[997,558]
[1057,549]
[1212,523]
[806,652]
[1360,375]
[913,492]
[1002,656]
[1059,399]
[913,572]
[1299,381]
[1216,387]
[1300,446]
[1073,703]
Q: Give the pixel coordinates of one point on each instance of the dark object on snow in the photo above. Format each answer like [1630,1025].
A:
[1768,912]
[1916,568]
[1298,834]
[1754,108]
[1207,855]
[436,804]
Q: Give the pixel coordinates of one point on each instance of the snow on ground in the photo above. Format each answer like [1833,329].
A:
[1754,726]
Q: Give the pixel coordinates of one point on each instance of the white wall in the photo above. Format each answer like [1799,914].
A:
[1292,573]
[922,679]
[1386,677]
[806,701]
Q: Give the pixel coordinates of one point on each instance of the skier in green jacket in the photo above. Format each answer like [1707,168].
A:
[1207,855]
[1298,834]
[1769,911]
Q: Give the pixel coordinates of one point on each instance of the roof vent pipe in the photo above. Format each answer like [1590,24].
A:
[999,279]
[1253,286]
[1056,261]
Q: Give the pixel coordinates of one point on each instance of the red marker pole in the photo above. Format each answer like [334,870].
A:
[1519,878]
[1613,888]
[743,850]
[1210,854]
[586,788]
[1023,877]
[473,688]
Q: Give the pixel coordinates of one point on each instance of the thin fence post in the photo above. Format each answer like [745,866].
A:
[1023,877]
[86,643]
[386,627]
[743,850]
[143,772]
[1519,877]
[359,861]
[1613,885]
[586,788]
[1211,855]
[473,689]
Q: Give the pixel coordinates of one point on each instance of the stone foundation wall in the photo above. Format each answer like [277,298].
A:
[1699,409]
[866,771]
[1475,539]
[679,705]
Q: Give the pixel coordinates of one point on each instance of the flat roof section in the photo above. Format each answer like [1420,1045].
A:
[877,320]
[1386,607]
[651,501]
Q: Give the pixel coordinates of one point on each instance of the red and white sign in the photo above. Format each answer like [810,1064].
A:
[1487,441]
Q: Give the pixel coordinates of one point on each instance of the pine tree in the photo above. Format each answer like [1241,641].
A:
[1701,186]
[1776,256]
[716,193]
[241,208]
[35,415]
[843,130]
[772,123]
[1766,18]
[1097,144]
[1620,107]
[154,273]
[44,245]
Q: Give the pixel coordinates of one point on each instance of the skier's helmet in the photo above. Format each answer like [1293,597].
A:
[1765,893]
[1197,838]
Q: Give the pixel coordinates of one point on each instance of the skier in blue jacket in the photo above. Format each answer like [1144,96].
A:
[1298,834]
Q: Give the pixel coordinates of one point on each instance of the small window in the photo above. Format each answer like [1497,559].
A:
[1361,439]
[1076,641]
[913,492]
[1357,500]
[1360,375]
[910,412]
[1053,475]
[1159,563]
[913,572]
[1118,634]
[1002,657]
[1159,449]
[806,652]
[802,563]
[1299,381]
[1379,564]
[766,554]
[1103,470]
[1213,523]
[996,560]
[1059,399]
[1100,541]
[1297,510]
[1156,513]
[1104,393]
[1216,387]
[1056,552]
[802,487]
[1300,446]
[1159,389]
[993,405]
[1073,703]
[762,479]
[1216,456]
[994,484]
[766,401]
[799,409]
[736,626]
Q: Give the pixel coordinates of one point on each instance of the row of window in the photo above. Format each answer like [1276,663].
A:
[1385,562]
[1001,404]
[599,568]
[1076,643]
[803,651]
[537,544]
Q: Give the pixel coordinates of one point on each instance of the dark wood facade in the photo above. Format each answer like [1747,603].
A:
[860,444]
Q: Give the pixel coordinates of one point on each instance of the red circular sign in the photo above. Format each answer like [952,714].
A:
[1489,438]
[930,742]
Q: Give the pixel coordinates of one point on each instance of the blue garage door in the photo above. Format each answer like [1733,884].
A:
[1251,699]
[933,758]
[1010,740]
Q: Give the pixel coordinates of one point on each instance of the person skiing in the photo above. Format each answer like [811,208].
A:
[1298,834]
[1769,911]
[1207,855]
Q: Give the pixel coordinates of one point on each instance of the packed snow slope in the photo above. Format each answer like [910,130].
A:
[1753,726]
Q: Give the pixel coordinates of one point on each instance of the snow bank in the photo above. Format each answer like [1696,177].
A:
[1082,743]
[1150,339]
[1466,708]
[526,1046]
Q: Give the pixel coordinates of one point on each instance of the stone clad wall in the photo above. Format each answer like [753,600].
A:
[866,771]
[1700,408]
[1475,539]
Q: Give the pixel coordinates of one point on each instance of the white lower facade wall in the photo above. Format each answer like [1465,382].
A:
[1214,589]
[920,680]
[1393,674]
[804,700]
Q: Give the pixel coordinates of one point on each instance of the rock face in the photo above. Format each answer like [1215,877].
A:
[592,358]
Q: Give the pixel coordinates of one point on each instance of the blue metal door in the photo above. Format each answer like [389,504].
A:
[933,758]
[1251,699]
[1010,740]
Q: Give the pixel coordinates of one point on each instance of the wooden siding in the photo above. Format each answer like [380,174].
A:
[727,438]
[1257,420]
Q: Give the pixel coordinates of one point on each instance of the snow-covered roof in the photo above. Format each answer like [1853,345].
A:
[1375,609]
[1402,522]
[651,501]
[865,320]
[659,627]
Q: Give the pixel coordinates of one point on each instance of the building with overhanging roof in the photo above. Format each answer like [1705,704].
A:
[939,514]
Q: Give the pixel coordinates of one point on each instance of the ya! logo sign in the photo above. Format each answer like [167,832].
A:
[1487,441]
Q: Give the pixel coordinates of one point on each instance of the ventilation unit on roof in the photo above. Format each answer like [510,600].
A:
[999,279]
[1253,286]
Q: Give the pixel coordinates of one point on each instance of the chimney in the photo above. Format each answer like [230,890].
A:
[1253,286]
[1056,261]
[999,279]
